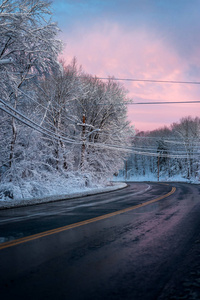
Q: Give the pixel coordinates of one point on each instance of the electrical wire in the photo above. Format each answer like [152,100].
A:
[155,149]
[148,80]
[29,119]
[165,102]
[42,130]
[46,108]
[31,98]
[131,150]
[47,132]
[99,145]
[153,103]
[189,140]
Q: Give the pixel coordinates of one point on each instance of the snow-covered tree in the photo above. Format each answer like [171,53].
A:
[166,152]
[103,127]
[28,51]
[56,97]
[187,133]
[90,117]
[28,40]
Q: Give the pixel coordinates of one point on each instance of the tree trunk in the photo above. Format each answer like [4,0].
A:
[83,146]
[14,136]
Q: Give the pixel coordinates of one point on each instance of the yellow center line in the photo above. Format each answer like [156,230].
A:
[78,224]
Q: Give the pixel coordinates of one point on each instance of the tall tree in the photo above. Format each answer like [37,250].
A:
[91,114]
[28,42]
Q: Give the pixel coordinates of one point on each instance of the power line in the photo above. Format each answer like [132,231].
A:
[32,124]
[165,151]
[31,98]
[165,102]
[104,146]
[144,153]
[193,141]
[148,80]
[153,102]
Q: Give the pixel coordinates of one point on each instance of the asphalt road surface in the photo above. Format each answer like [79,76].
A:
[139,243]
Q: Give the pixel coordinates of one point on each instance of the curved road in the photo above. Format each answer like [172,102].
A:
[142,242]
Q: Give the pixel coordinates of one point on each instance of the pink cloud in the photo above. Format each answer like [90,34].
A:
[110,50]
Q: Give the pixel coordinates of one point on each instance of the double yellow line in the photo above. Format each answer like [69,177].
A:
[78,224]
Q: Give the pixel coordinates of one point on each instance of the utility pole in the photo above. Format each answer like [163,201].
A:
[126,169]
[83,144]
[158,166]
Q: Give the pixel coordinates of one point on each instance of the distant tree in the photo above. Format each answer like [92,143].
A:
[175,151]
[188,134]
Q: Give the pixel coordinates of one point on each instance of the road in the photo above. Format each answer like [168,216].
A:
[139,243]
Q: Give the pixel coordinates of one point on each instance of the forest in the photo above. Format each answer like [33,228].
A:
[165,154]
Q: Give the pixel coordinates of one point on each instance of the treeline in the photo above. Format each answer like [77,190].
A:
[166,153]
[55,120]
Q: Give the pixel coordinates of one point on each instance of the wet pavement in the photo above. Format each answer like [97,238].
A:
[148,253]
[20,222]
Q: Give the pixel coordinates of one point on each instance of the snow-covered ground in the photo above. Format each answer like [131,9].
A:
[32,192]
[154,178]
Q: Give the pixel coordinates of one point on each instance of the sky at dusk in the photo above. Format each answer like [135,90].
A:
[139,39]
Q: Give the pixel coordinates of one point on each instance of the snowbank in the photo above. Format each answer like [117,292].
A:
[55,193]
[153,178]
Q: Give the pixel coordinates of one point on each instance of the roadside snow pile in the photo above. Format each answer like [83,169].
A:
[27,192]
[154,178]
[54,185]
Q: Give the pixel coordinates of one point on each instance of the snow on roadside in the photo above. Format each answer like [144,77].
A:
[154,178]
[45,185]
[33,192]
